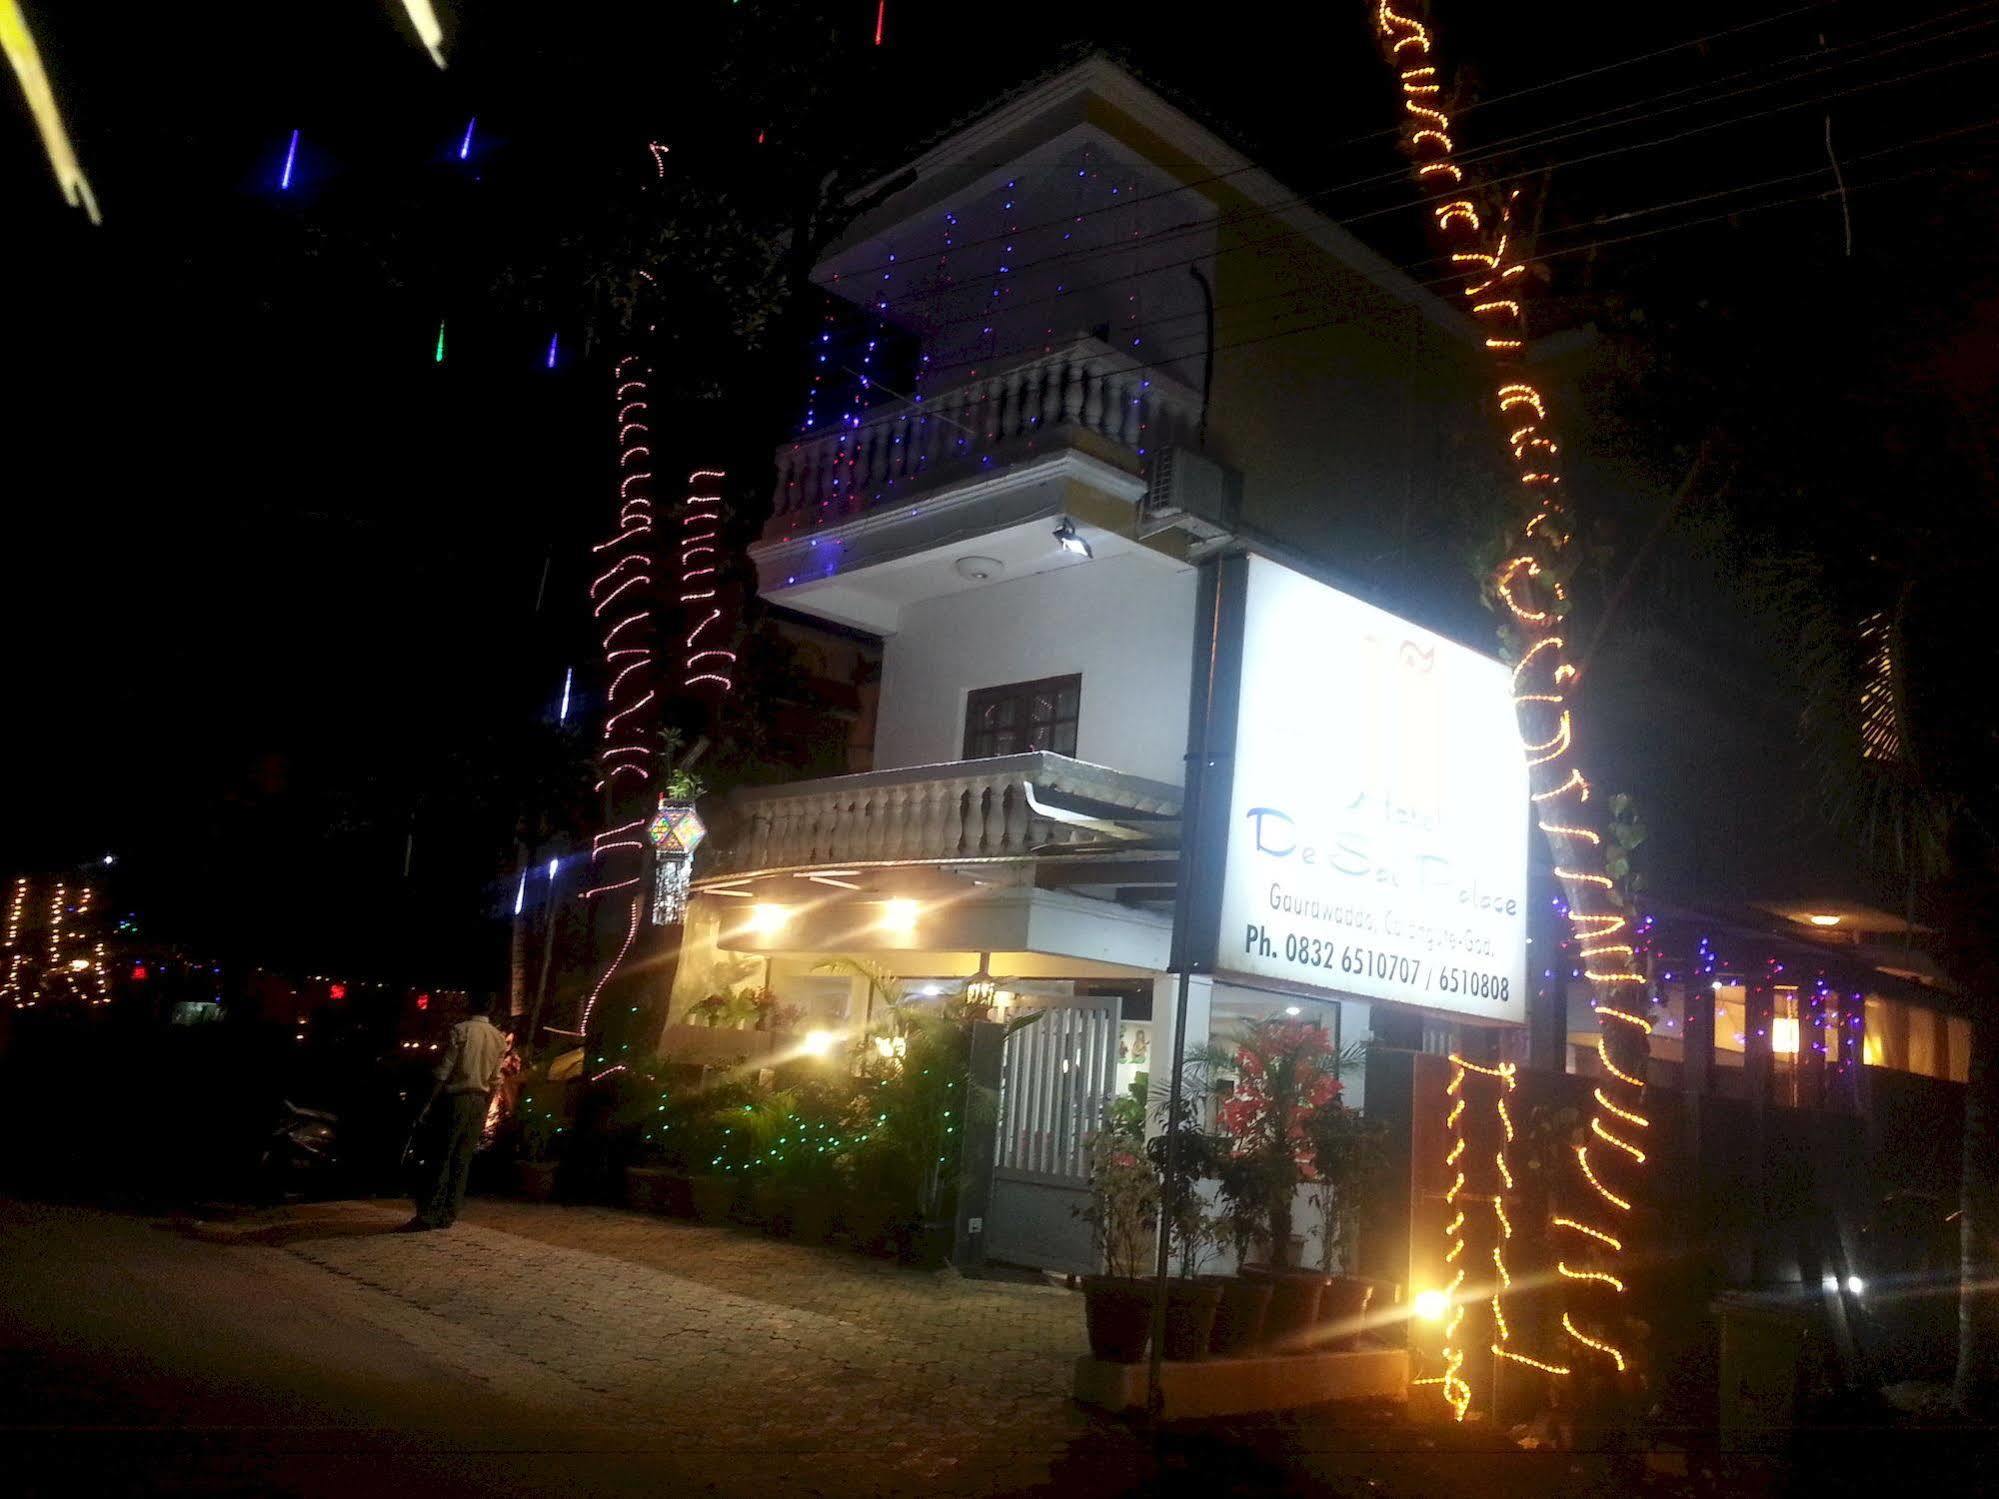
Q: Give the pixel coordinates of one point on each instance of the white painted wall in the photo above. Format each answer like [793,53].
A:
[1125,622]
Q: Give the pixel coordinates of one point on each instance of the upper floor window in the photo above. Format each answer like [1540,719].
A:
[1023,716]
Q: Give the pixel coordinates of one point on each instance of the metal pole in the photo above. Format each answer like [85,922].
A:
[1196,762]
[547,956]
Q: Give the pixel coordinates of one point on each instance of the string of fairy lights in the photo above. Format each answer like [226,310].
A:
[700,583]
[73,964]
[18,42]
[621,603]
[1482,244]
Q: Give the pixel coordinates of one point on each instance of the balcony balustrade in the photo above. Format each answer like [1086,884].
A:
[1085,393]
[1007,807]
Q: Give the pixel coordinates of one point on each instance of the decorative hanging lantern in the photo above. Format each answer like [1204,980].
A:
[675,831]
[981,988]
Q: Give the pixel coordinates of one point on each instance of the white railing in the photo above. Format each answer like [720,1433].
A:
[970,809]
[1085,386]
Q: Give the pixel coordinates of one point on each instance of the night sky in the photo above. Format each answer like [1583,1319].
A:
[272,572]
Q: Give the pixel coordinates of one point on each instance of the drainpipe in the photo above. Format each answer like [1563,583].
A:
[1207,354]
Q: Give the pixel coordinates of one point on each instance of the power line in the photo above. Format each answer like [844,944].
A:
[1367,215]
[1158,360]
[1539,135]
[1329,284]
[1625,62]
[1375,135]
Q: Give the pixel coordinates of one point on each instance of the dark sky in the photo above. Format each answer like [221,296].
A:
[271,571]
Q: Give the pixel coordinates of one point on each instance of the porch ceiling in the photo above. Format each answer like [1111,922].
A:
[946,921]
[865,571]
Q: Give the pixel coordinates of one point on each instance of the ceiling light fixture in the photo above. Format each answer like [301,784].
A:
[767,919]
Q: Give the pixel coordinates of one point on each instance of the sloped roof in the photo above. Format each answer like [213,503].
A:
[986,138]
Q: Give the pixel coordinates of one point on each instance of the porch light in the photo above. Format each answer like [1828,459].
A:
[1432,1306]
[767,919]
[1071,540]
[899,916]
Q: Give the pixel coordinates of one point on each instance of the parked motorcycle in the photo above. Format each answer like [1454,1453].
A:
[301,1154]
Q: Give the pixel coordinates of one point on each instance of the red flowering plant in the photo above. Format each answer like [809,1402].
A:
[1286,1071]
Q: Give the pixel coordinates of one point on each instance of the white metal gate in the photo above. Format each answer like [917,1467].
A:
[1057,1078]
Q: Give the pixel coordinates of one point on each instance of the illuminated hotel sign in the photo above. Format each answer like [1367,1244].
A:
[1376,841]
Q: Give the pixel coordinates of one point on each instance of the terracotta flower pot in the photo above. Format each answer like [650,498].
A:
[1294,1306]
[535,1180]
[925,1242]
[1190,1318]
[1343,1302]
[650,1189]
[768,1207]
[1117,1309]
[1239,1312]
[812,1215]
[713,1197]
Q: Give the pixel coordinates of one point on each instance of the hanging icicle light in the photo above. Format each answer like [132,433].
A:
[19,44]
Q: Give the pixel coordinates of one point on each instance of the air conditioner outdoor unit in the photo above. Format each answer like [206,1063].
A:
[1190,491]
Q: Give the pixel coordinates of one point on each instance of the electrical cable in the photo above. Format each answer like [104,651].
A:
[1159,360]
[1356,218]
[1539,135]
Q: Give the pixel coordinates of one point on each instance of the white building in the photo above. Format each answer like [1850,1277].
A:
[1025,534]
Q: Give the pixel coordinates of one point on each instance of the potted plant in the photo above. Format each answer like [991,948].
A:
[1285,1071]
[1349,1152]
[909,1114]
[1185,1155]
[717,1144]
[800,1161]
[536,1145]
[1123,1214]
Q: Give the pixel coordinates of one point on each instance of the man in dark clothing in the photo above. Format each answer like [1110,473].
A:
[465,1081]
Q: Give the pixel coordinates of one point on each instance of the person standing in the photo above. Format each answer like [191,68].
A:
[465,1081]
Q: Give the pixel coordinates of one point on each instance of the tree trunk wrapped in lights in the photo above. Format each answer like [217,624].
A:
[621,603]
[1477,236]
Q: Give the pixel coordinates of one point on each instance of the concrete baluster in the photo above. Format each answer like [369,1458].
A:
[1093,403]
[1072,391]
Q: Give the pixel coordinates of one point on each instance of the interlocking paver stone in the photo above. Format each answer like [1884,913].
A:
[723,1340]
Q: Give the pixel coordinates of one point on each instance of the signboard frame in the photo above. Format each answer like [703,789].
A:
[1201,946]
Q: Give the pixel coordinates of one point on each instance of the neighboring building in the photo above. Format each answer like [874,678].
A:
[1035,535]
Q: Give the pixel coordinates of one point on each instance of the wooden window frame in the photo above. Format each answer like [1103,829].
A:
[1022,692]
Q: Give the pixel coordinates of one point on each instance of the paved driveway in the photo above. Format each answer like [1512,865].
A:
[729,1342]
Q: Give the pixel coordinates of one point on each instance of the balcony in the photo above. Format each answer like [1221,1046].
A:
[1023,854]
[1010,809]
[863,517]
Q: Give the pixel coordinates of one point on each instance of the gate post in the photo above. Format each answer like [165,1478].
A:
[975,1160]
